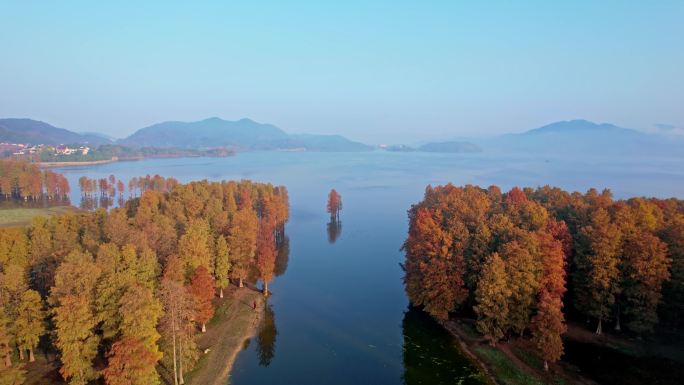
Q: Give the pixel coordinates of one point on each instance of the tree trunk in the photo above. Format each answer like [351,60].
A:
[598,328]
[221,293]
[8,361]
[21,354]
[546,365]
[240,283]
[617,323]
[31,357]
[173,338]
[204,327]
[265,288]
[181,380]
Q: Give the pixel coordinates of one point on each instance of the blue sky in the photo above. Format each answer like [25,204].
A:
[380,72]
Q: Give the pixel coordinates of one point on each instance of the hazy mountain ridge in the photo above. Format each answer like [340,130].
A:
[243,134]
[29,131]
[574,137]
[582,137]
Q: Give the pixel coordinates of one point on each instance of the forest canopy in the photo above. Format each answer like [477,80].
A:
[118,293]
[523,260]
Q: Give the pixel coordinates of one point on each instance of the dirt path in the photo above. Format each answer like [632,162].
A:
[234,322]
[465,343]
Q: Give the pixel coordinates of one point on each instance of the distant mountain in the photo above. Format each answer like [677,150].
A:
[100,135]
[244,134]
[36,132]
[452,147]
[582,137]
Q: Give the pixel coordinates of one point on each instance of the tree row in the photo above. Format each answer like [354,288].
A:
[21,180]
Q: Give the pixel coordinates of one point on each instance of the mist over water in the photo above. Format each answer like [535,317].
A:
[338,313]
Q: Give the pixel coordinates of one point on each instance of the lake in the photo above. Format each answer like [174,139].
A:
[339,314]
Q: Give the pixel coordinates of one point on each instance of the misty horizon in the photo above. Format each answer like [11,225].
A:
[367,72]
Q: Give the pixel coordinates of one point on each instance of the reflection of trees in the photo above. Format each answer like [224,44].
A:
[334,230]
[431,355]
[88,203]
[106,202]
[266,338]
[283,256]
[94,202]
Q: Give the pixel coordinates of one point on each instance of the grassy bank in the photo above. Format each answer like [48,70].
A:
[23,216]
[515,362]
[235,321]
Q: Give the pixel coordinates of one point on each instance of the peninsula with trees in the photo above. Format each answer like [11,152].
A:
[123,296]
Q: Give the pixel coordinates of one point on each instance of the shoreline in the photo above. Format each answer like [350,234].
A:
[76,163]
[504,364]
[235,322]
[454,329]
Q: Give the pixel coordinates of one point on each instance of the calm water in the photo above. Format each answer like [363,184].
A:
[339,314]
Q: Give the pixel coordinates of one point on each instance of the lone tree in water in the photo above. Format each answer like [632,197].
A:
[334,205]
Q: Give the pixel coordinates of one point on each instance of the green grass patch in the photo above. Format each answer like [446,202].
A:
[528,357]
[469,330]
[505,371]
[23,216]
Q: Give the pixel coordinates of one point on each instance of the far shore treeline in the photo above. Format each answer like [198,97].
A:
[120,295]
[521,261]
[21,180]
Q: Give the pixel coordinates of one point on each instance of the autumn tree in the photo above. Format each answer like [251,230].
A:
[130,362]
[193,246]
[10,373]
[433,278]
[646,268]
[673,290]
[202,290]
[221,264]
[266,253]
[76,340]
[176,322]
[598,265]
[242,242]
[134,355]
[334,205]
[30,322]
[522,269]
[74,318]
[548,324]
[492,296]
